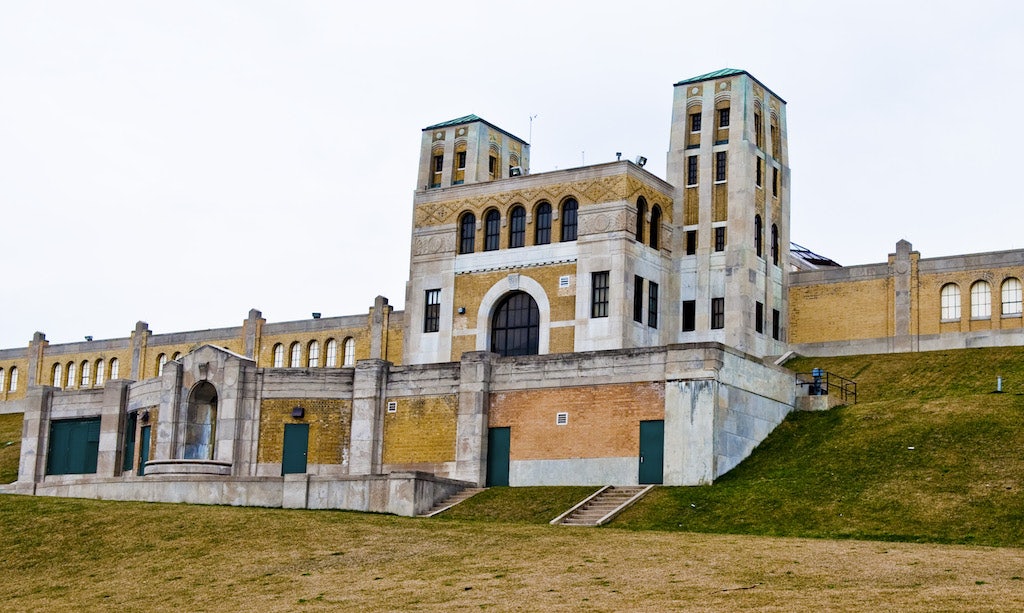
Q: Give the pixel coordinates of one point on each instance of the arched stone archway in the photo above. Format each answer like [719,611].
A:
[201,422]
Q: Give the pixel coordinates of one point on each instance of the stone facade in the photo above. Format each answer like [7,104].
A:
[595,325]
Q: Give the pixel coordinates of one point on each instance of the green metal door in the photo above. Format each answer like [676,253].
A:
[652,451]
[129,443]
[143,450]
[296,448]
[74,446]
[498,445]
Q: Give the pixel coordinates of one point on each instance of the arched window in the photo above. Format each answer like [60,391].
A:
[313,354]
[279,356]
[99,372]
[515,328]
[467,233]
[1,379]
[655,238]
[569,209]
[160,361]
[115,368]
[542,224]
[517,227]
[641,218]
[981,299]
[201,422]
[1011,291]
[177,354]
[331,359]
[492,230]
[758,240]
[775,244]
[949,299]
[71,375]
[296,356]
[349,349]
[58,375]
[14,379]
[86,373]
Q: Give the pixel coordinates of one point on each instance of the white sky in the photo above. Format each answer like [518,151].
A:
[182,162]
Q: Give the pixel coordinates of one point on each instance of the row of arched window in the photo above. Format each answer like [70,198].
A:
[981,299]
[759,240]
[85,375]
[161,361]
[543,226]
[9,380]
[312,354]
[654,236]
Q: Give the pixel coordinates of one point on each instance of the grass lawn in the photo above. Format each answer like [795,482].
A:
[95,555]
[10,446]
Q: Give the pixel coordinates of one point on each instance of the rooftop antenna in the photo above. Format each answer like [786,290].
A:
[532,117]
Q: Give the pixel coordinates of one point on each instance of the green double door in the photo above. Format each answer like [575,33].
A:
[74,446]
[652,451]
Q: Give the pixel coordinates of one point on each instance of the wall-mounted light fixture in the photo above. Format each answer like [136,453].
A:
[462,310]
[641,161]
[316,315]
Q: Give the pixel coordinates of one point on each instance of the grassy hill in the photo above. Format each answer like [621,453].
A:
[10,446]
[929,453]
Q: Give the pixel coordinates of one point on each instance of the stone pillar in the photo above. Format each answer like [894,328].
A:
[140,338]
[112,422]
[166,431]
[369,387]
[379,317]
[471,422]
[35,432]
[690,431]
[35,359]
[253,330]
[902,271]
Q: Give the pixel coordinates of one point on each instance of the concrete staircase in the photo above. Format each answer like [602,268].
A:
[453,500]
[601,507]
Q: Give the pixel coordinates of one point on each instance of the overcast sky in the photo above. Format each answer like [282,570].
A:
[182,162]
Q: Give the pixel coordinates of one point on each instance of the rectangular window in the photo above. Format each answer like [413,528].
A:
[758,317]
[689,315]
[775,323]
[492,165]
[720,166]
[694,122]
[638,299]
[432,310]
[720,238]
[760,171]
[435,181]
[652,304]
[460,160]
[775,182]
[723,117]
[691,242]
[717,313]
[691,170]
[758,134]
[599,294]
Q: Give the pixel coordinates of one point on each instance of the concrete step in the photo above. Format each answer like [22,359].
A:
[453,500]
[603,506]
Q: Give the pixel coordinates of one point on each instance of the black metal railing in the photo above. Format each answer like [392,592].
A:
[823,383]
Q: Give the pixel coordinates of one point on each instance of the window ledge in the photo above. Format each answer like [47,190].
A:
[721,182]
[949,321]
[1011,315]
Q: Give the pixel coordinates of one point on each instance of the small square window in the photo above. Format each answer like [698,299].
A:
[723,117]
[717,313]
[460,160]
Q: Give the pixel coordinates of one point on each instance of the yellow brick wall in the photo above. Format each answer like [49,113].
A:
[330,426]
[361,336]
[839,311]
[124,366]
[604,420]
[931,307]
[421,430]
[562,340]
[21,365]
[691,206]
[470,289]
[394,345]
[720,202]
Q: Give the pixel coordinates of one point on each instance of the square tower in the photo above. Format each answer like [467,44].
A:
[469,150]
[728,162]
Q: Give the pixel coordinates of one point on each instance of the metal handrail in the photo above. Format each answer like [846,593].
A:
[823,383]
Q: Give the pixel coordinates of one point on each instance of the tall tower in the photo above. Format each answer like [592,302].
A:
[728,162]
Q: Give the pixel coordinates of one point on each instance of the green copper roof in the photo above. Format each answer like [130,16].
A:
[455,122]
[726,72]
[458,121]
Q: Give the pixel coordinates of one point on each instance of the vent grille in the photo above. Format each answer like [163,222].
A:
[561,419]
[563,281]
[392,407]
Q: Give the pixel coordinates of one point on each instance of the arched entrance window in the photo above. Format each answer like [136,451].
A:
[201,422]
[515,329]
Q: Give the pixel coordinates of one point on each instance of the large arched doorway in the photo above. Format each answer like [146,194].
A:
[515,328]
[201,422]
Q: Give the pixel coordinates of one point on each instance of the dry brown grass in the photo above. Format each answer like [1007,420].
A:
[91,555]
